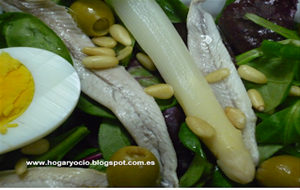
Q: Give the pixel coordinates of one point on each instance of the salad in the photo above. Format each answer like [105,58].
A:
[95,132]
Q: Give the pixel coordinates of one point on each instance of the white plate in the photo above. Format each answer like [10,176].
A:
[57,90]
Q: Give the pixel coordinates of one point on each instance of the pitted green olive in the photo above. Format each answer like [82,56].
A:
[93,17]
[279,171]
[133,166]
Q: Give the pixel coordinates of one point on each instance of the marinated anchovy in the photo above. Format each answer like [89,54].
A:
[210,54]
[54,177]
[114,88]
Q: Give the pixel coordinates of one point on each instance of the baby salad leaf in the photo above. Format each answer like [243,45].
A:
[293,150]
[190,140]
[286,49]
[289,101]
[280,74]
[24,30]
[100,167]
[266,151]
[174,9]
[282,127]
[275,49]
[92,107]
[195,170]
[219,179]
[206,175]
[165,104]
[112,137]
[297,75]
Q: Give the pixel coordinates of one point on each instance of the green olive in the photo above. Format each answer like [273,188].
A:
[279,171]
[93,17]
[125,175]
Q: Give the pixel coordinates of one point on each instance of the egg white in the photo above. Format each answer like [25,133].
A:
[57,90]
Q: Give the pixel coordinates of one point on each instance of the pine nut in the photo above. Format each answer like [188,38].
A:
[236,117]
[120,34]
[256,99]
[199,127]
[21,166]
[98,51]
[146,61]
[251,74]
[99,62]
[294,91]
[105,41]
[36,148]
[125,52]
[217,75]
[160,91]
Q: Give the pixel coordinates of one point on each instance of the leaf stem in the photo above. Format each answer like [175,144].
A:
[248,56]
[58,152]
[291,34]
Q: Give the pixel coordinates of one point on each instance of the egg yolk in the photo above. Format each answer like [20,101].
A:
[16,90]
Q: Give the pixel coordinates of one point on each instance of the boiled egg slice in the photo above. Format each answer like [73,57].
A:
[56,93]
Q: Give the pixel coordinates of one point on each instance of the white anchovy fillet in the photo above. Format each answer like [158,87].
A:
[114,88]
[54,177]
[210,54]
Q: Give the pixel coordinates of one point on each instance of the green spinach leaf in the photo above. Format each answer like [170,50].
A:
[174,9]
[190,140]
[112,137]
[293,150]
[100,167]
[297,74]
[165,104]
[24,30]
[92,107]
[276,49]
[282,127]
[206,174]
[266,151]
[262,116]
[280,74]
[219,179]
[194,172]
[198,165]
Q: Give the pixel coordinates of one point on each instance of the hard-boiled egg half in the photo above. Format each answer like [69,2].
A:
[38,91]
